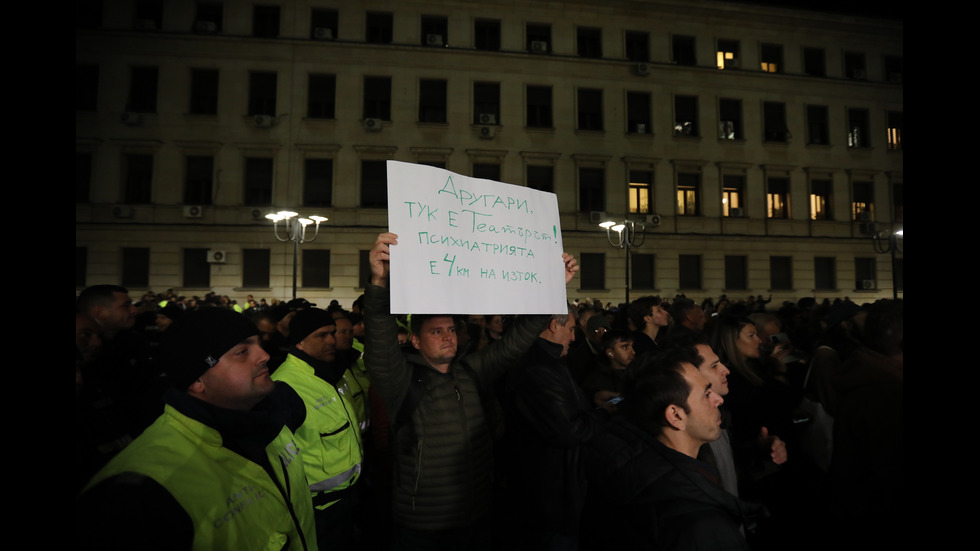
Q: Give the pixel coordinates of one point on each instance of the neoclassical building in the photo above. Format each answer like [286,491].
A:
[757,150]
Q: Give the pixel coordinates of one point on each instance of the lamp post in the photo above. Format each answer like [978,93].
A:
[890,241]
[294,228]
[625,238]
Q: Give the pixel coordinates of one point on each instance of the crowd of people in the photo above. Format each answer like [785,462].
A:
[658,424]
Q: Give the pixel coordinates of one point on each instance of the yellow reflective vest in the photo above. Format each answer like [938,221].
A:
[233,503]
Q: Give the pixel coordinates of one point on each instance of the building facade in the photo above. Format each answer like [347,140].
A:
[759,149]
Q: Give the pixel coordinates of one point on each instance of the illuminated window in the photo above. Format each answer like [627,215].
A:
[777,198]
[858,133]
[731,195]
[772,58]
[687,194]
[730,119]
[641,181]
[727,54]
[863,205]
[820,200]
[895,124]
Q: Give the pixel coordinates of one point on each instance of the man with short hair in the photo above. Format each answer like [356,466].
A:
[688,318]
[220,468]
[651,321]
[330,436]
[442,489]
[646,484]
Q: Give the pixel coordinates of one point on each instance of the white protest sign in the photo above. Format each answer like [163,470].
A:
[472,246]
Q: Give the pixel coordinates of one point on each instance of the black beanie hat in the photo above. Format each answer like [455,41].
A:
[197,341]
[308,321]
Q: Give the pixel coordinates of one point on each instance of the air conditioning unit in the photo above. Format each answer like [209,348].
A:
[258,215]
[736,212]
[193,211]
[205,26]
[867,284]
[434,40]
[264,121]
[488,118]
[131,119]
[122,211]
[216,256]
[539,46]
[726,130]
[597,217]
[323,33]
[487,132]
[641,128]
[373,124]
[642,69]
[653,220]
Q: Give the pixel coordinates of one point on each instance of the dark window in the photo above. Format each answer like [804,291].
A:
[322,91]
[204,92]
[88,14]
[255,268]
[432,101]
[814,62]
[258,181]
[640,191]
[209,17]
[727,54]
[591,189]
[541,177]
[689,271]
[486,34]
[437,164]
[486,103]
[898,272]
[135,267]
[198,181]
[589,41]
[688,194]
[377,98]
[898,202]
[316,268]
[318,182]
[777,198]
[538,38]
[730,119]
[825,273]
[774,114]
[638,46]
[364,269]
[638,117]
[686,116]
[817,125]
[487,171]
[642,271]
[323,24]
[142,90]
[379,27]
[772,58]
[866,274]
[895,125]
[894,66]
[854,66]
[86,87]
[374,184]
[733,186]
[539,106]
[781,273]
[83,177]
[593,272]
[197,271]
[683,50]
[858,128]
[736,273]
[589,109]
[138,178]
[81,266]
[820,200]
[262,93]
[435,30]
[863,206]
[265,21]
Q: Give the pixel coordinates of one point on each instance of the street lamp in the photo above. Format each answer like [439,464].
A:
[295,229]
[622,235]
[890,241]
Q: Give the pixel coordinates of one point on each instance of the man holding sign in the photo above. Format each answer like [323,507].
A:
[442,447]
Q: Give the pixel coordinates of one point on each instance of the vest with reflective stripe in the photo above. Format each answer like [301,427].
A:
[232,502]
